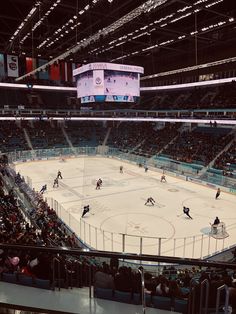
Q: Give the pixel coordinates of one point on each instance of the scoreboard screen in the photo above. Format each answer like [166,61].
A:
[108,82]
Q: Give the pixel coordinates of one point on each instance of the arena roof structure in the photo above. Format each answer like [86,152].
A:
[160,35]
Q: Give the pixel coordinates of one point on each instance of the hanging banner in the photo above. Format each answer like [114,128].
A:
[30,64]
[73,68]
[63,66]
[66,71]
[43,75]
[55,72]
[12,66]
[2,67]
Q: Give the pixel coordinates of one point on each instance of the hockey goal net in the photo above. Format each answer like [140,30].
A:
[219,231]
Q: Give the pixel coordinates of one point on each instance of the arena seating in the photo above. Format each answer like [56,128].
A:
[111,282]
[217,97]
[227,160]
[199,146]
[11,137]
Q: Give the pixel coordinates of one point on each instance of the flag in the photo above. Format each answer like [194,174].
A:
[62,70]
[12,66]
[43,75]
[55,72]
[2,66]
[30,64]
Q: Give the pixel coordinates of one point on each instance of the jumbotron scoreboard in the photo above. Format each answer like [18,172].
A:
[108,82]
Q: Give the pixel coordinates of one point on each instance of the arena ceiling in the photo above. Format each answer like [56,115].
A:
[158,34]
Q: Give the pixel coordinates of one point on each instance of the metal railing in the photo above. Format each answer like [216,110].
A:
[226,305]
[59,254]
[140,270]
[126,256]
[204,295]
[56,280]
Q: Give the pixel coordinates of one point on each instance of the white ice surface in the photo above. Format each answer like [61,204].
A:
[118,208]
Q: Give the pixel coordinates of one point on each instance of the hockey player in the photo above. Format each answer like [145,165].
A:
[98,184]
[146,168]
[86,210]
[186,211]
[218,193]
[150,200]
[43,189]
[163,178]
[216,221]
[121,169]
[59,176]
[56,183]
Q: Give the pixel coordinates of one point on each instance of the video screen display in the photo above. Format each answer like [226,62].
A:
[84,84]
[108,98]
[108,82]
[121,83]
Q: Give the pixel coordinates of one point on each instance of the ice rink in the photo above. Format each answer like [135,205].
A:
[120,221]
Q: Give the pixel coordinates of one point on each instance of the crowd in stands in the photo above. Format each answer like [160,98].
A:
[11,137]
[198,145]
[45,227]
[142,138]
[36,81]
[127,136]
[45,135]
[37,99]
[218,97]
[156,140]
[171,283]
[227,160]
[206,97]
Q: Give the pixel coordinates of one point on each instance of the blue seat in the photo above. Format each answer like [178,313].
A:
[136,298]
[160,302]
[181,306]
[41,283]
[121,296]
[103,293]
[148,299]
[25,280]
[7,277]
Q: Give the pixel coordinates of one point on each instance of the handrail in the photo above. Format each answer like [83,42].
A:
[142,289]
[191,300]
[219,290]
[129,256]
[204,283]
[57,262]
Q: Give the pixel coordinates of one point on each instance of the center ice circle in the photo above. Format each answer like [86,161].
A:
[139,224]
